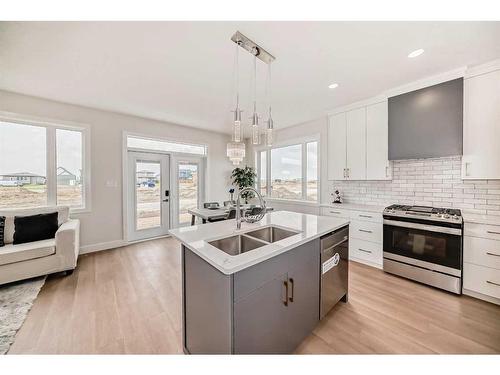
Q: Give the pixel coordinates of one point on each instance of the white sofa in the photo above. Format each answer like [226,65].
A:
[23,261]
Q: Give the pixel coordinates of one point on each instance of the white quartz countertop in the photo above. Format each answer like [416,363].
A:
[481,219]
[355,207]
[309,227]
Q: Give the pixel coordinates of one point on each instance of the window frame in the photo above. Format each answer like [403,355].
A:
[291,142]
[51,126]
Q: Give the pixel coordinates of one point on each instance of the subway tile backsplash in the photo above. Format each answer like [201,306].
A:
[430,182]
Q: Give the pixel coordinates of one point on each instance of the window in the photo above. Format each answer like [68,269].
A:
[41,165]
[286,172]
[263,173]
[289,172]
[69,168]
[166,146]
[23,166]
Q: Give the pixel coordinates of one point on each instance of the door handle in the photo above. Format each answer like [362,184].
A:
[285,302]
[292,284]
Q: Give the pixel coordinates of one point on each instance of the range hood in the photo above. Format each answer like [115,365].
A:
[427,123]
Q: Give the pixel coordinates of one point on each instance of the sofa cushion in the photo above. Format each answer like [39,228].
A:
[62,217]
[35,228]
[18,253]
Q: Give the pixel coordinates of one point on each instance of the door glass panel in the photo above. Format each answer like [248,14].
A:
[148,196]
[188,190]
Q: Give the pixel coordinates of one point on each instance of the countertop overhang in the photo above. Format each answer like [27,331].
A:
[196,238]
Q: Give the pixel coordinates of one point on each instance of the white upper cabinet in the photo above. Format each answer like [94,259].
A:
[337,147]
[377,147]
[356,144]
[481,137]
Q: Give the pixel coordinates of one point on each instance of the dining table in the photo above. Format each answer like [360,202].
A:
[209,214]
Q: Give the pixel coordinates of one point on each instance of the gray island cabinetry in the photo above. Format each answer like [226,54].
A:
[260,287]
[267,308]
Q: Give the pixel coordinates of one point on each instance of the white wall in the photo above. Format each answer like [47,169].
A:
[103,225]
[310,128]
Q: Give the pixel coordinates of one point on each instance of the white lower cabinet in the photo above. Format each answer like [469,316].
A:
[482,280]
[481,271]
[366,231]
[365,252]
[365,234]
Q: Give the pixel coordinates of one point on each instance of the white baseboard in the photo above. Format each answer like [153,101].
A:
[366,263]
[101,246]
[112,245]
[484,297]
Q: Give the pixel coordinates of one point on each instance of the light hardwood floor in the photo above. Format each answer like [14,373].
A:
[127,300]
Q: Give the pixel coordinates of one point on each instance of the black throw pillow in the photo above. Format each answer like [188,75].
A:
[2,231]
[35,227]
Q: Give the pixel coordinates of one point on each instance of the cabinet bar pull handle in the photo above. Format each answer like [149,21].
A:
[334,212]
[493,254]
[367,216]
[292,284]
[467,168]
[366,251]
[493,283]
[386,172]
[364,230]
[492,232]
[285,302]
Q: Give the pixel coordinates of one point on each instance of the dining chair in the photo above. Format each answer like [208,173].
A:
[211,204]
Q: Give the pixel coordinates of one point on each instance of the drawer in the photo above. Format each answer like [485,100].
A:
[482,230]
[336,212]
[366,230]
[482,251]
[482,280]
[365,250]
[375,217]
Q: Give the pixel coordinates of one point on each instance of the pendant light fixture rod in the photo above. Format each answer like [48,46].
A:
[252,47]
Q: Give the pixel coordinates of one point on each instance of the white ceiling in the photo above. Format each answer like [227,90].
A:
[183,71]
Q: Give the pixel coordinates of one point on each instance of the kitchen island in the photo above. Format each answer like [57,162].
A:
[253,290]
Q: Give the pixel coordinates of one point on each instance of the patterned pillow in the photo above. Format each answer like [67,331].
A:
[2,230]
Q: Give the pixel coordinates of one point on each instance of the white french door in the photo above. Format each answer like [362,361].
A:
[148,211]
[188,188]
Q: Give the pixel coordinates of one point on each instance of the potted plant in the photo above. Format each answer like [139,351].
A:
[244,177]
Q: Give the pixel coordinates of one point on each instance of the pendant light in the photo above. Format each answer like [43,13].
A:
[235,149]
[270,122]
[237,111]
[255,115]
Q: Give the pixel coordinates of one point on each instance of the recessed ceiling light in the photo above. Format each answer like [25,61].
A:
[416,53]
[333,86]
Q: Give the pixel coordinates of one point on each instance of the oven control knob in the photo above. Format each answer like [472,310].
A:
[446,216]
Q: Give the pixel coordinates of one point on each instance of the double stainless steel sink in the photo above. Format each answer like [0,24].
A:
[244,242]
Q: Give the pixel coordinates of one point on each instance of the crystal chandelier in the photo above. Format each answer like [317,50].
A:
[236,148]
[236,152]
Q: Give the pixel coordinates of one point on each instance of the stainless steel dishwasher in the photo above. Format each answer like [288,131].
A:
[334,269]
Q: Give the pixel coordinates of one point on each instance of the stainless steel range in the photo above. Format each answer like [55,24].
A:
[424,244]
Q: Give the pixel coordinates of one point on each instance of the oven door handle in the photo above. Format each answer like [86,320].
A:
[430,228]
